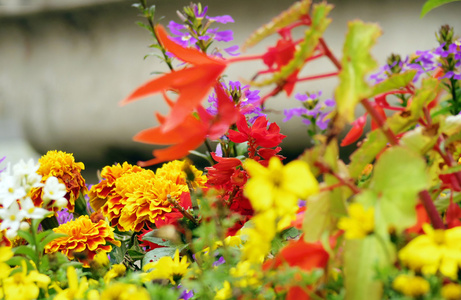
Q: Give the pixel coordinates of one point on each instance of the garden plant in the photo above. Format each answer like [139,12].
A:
[251,225]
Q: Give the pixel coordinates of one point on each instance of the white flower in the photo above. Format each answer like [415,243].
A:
[27,174]
[29,210]
[54,190]
[10,190]
[11,219]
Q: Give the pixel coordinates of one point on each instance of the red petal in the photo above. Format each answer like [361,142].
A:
[355,133]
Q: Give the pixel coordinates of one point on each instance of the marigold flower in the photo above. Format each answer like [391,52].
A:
[359,223]
[166,267]
[99,193]
[436,250]
[451,291]
[409,285]
[83,237]
[61,165]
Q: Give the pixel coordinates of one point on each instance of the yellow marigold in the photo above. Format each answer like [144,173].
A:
[124,291]
[177,171]
[451,291]
[412,286]
[84,238]
[436,250]
[359,223]
[61,165]
[166,267]
[99,193]
[143,200]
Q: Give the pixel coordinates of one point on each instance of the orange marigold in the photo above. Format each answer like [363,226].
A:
[99,193]
[84,239]
[178,171]
[61,165]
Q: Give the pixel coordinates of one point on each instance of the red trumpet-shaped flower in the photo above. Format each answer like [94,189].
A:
[191,132]
[192,83]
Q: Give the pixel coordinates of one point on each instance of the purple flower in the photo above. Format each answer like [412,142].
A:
[186,295]
[220,261]
[232,50]
[202,14]
[221,19]
[1,160]
[313,109]
[64,216]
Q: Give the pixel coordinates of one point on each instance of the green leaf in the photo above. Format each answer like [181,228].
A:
[27,236]
[17,261]
[372,145]
[292,14]
[393,82]
[157,253]
[150,237]
[26,250]
[135,255]
[419,140]
[307,47]
[356,64]
[317,219]
[362,257]
[431,4]
[398,177]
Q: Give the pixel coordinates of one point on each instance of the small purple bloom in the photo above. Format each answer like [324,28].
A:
[232,50]
[64,216]
[222,19]
[202,14]
[220,261]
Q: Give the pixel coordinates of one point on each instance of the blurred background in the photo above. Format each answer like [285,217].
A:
[66,64]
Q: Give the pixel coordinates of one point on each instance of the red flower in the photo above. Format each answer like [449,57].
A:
[257,135]
[306,256]
[356,131]
[453,215]
[192,84]
[421,218]
[191,132]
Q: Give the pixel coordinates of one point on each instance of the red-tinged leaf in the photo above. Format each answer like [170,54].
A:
[189,55]
[356,131]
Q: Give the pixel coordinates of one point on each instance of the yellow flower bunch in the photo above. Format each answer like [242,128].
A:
[436,250]
[274,193]
[412,286]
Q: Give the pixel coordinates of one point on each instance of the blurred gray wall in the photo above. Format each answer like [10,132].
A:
[64,68]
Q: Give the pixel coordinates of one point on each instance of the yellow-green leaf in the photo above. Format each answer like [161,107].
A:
[356,63]
[394,82]
[431,4]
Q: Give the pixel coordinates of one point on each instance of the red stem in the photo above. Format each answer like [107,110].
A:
[317,76]
[432,212]
[243,58]
[380,121]
[330,54]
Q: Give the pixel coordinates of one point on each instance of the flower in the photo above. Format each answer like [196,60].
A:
[61,165]
[117,270]
[359,223]
[198,130]
[105,189]
[166,267]
[409,285]
[192,83]
[23,286]
[436,250]
[120,290]
[225,292]
[76,289]
[451,291]
[84,239]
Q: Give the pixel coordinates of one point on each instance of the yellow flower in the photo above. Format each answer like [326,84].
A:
[23,286]
[451,291]
[124,291]
[99,193]
[75,290]
[436,250]
[5,254]
[118,270]
[167,268]
[61,165]
[177,171]
[84,238]
[360,222]
[246,274]
[225,292]
[259,238]
[279,186]
[412,286]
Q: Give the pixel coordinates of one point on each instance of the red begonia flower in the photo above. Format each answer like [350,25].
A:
[192,83]
[356,131]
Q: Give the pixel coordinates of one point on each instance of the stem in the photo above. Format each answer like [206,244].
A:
[317,76]
[208,147]
[326,169]
[181,209]
[380,121]
[330,54]
[432,212]
[244,58]
[152,26]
